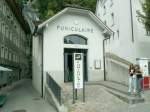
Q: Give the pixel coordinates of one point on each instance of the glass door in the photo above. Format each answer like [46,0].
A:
[68,64]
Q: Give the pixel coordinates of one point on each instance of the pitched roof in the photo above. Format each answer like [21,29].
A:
[78,11]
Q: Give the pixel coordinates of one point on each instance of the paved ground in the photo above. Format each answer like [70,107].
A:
[99,100]
[142,107]
[25,99]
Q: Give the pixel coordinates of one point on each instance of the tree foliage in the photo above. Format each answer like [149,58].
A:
[50,7]
[145,16]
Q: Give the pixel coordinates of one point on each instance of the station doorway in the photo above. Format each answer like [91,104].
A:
[68,63]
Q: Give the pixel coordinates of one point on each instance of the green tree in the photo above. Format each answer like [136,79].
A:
[50,7]
[145,16]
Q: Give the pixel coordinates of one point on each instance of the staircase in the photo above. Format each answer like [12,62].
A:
[121,91]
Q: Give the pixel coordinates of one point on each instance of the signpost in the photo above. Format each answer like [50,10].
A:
[78,80]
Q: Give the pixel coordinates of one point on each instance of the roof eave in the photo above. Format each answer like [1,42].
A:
[90,14]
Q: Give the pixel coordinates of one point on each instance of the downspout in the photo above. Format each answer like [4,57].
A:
[104,57]
[42,89]
[132,21]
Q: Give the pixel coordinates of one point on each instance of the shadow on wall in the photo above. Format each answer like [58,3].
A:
[116,72]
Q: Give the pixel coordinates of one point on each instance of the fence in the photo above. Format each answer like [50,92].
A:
[55,88]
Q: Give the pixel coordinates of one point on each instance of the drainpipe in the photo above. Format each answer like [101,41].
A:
[42,66]
[104,56]
[131,20]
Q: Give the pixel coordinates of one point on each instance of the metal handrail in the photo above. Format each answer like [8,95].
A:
[55,88]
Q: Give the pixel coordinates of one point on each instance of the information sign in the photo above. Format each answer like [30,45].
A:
[78,70]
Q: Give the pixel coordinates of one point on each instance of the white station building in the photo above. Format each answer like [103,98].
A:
[130,40]
[70,31]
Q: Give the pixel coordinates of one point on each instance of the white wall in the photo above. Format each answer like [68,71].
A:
[122,45]
[116,72]
[54,46]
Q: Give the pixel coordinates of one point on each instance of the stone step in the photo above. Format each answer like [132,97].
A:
[120,91]
[111,85]
[132,99]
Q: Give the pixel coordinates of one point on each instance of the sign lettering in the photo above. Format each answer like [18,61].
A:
[78,70]
[75,29]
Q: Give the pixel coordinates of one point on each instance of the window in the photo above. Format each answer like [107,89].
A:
[112,18]
[0,5]
[147,33]
[6,53]
[7,31]
[105,22]
[0,26]
[9,55]
[11,35]
[104,10]
[113,35]
[118,33]
[14,57]
[2,51]
[75,39]
[4,8]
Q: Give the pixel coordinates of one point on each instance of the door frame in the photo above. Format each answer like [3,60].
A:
[86,50]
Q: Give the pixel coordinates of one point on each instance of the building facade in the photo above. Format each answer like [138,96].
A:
[14,41]
[70,31]
[130,40]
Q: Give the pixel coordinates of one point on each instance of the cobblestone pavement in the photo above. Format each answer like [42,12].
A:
[24,98]
[97,100]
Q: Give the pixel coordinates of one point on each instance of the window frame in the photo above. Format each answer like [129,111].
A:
[78,36]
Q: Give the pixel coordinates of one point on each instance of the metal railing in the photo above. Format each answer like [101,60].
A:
[55,88]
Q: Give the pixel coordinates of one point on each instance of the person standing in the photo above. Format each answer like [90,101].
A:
[131,73]
[138,74]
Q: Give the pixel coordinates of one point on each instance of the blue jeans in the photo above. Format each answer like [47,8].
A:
[130,83]
[134,83]
[139,86]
